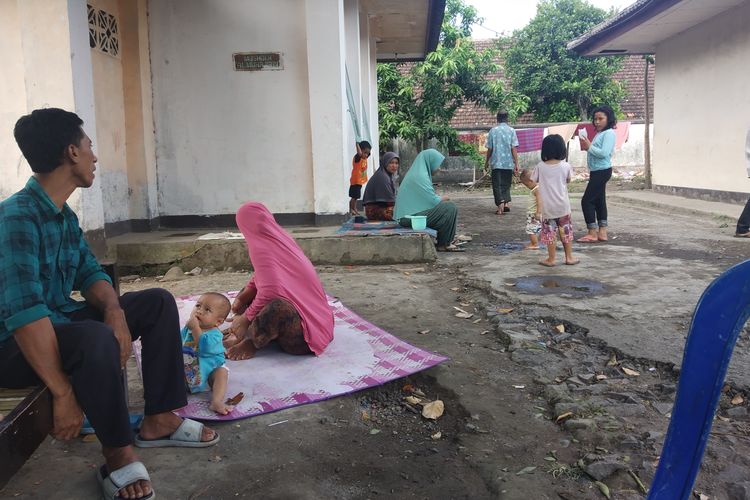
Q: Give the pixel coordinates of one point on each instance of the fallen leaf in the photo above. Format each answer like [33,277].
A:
[702,496]
[414,287]
[455,289]
[563,416]
[407,388]
[560,328]
[89,438]
[465,304]
[510,284]
[419,392]
[215,459]
[433,410]
[374,431]
[738,400]
[519,386]
[526,470]
[459,309]
[412,400]
[423,332]
[504,310]
[485,332]
[550,459]
[601,377]
[234,400]
[477,321]
[723,419]
[613,360]
[603,488]
[628,371]
[437,435]
[464,315]
[407,273]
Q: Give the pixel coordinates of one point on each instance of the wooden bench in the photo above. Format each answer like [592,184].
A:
[28,415]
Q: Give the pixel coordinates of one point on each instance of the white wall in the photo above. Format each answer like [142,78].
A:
[631,154]
[702,105]
[46,63]
[224,137]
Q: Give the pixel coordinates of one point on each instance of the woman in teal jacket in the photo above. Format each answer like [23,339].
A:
[416,196]
[594,201]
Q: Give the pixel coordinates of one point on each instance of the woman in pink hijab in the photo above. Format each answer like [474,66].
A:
[284,300]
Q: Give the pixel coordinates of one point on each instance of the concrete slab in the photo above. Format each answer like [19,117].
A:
[678,203]
[189,248]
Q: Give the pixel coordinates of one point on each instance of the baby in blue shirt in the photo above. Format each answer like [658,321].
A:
[203,351]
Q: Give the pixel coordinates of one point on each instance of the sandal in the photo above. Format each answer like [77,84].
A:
[187,435]
[450,248]
[112,482]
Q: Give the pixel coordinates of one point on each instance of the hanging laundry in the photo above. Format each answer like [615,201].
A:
[529,139]
[622,131]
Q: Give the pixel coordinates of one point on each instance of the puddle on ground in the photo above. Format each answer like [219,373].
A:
[560,285]
[510,247]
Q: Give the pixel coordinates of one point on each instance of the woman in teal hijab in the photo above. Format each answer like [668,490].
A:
[416,196]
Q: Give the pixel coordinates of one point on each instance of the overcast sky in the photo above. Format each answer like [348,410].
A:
[504,16]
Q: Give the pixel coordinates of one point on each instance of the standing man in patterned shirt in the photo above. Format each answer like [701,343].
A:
[78,348]
[502,156]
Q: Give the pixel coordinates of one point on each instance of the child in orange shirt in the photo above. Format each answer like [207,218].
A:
[359,175]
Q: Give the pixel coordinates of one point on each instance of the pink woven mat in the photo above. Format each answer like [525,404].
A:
[360,356]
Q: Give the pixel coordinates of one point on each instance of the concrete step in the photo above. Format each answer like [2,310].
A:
[157,251]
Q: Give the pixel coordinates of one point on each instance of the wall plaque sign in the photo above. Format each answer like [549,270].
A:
[257,61]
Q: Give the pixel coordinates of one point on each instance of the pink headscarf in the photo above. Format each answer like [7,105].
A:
[283,272]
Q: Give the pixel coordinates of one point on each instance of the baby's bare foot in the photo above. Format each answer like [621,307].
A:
[531,247]
[221,408]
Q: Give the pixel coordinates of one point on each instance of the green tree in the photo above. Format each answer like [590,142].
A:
[562,85]
[418,105]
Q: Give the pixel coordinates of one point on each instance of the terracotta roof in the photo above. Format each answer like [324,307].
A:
[470,116]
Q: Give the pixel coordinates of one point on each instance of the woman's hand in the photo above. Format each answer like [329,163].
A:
[444,198]
[238,327]
[585,143]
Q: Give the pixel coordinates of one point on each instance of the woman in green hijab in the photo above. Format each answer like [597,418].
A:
[416,196]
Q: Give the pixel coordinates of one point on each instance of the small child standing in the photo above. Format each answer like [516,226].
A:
[203,351]
[359,175]
[552,175]
[533,213]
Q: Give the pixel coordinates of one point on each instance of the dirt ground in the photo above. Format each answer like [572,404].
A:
[541,400]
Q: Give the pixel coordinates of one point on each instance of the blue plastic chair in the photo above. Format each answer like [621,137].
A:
[719,317]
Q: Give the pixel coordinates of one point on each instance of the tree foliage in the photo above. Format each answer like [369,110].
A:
[418,105]
[562,85]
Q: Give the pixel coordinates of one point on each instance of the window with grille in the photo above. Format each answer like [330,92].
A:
[104,34]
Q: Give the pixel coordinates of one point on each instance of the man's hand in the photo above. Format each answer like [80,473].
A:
[115,319]
[67,416]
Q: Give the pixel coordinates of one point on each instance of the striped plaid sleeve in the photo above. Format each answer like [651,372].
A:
[21,293]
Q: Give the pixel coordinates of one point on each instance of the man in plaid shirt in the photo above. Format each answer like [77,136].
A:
[78,348]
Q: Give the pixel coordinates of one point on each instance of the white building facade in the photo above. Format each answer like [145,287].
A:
[701,101]
[197,106]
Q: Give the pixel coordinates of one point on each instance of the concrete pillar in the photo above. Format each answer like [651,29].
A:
[331,161]
[57,71]
[369,79]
